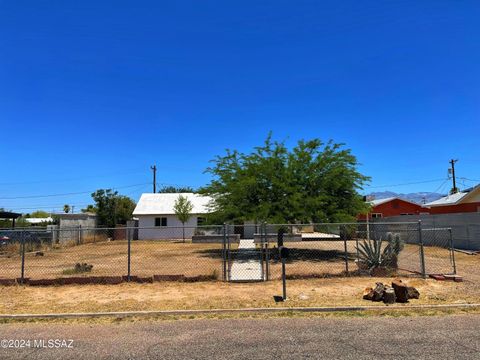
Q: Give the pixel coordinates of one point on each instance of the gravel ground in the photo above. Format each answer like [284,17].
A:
[434,337]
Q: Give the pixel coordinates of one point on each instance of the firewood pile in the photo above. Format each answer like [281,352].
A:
[399,292]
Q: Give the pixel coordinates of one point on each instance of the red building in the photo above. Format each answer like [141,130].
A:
[461,202]
[393,206]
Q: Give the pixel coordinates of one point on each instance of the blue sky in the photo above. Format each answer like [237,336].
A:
[92,93]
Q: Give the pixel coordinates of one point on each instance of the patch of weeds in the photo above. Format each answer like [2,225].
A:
[79,268]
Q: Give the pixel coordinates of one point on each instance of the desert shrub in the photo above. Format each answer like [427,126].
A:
[348,231]
[79,268]
[214,275]
[373,255]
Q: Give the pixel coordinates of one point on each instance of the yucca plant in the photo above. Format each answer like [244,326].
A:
[372,256]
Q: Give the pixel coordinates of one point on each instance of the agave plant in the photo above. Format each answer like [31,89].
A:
[372,256]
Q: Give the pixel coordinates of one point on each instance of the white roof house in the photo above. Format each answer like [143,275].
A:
[157,219]
[39,220]
[469,196]
[377,202]
[163,204]
[448,200]
[381,201]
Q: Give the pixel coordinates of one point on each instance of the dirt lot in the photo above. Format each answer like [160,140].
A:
[110,258]
[149,258]
[205,295]
[328,258]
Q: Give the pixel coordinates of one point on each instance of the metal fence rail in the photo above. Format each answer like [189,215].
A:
[223,252]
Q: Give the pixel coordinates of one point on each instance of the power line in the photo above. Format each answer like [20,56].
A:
[441,186]
[404,184]
[32,207]
[472,180]
[47,208]
[65,194]
[60,206]
[136,171]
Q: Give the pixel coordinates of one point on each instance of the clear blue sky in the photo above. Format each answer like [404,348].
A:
[94,92]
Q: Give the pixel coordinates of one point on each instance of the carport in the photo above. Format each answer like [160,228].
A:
[7,215]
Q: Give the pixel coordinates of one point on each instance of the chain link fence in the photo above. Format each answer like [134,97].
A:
[247,252]
[161,252]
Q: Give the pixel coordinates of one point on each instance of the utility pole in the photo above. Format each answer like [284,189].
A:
[452,170]
[154,169]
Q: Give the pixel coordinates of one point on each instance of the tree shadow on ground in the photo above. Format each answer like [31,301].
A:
[310,255]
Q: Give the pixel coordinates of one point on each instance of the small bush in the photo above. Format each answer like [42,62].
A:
[214,274]
[78,269]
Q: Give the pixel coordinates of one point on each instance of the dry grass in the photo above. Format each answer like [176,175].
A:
[110,258]
[328,257]
[154,257]
[172,257]
[208,295]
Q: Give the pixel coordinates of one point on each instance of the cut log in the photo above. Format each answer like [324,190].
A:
[378,292]
[389,296]
[368,293]
[401,290]
[412,292]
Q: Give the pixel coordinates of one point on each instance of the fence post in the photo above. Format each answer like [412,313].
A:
[224,253]
[422,254]
[229,269]
[357,233]
[452,252]
[22,272]
[344,235]
[264,241]
[129,247]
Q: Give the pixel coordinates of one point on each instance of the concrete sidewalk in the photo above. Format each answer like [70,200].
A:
[247,264]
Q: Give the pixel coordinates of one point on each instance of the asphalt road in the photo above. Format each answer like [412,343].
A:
[450,337]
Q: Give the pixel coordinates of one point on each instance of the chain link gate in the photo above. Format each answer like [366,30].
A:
[438,251]
[246,253]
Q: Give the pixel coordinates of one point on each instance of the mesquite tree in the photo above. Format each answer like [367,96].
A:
[312,182]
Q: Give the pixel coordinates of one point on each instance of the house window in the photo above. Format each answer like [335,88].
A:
[377,215]
[161,221]
[201,221]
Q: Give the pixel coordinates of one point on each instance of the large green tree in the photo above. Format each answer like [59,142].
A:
[112,208]
[89,209]
[313,182]
[39,214]
[176,189]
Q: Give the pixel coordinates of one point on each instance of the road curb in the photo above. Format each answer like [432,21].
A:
[234,311]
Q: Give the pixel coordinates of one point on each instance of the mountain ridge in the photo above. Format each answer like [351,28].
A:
[417,197]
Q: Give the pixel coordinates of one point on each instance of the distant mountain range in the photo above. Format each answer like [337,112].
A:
[418,197]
